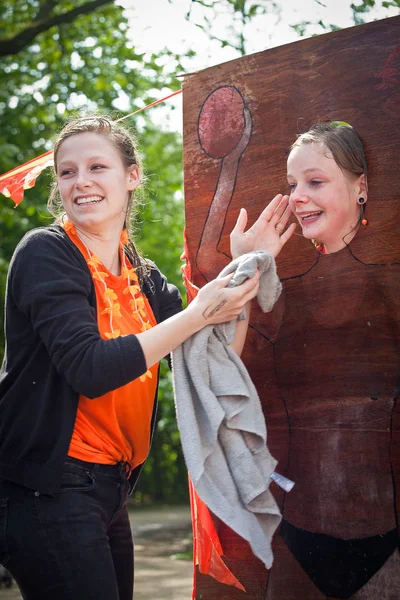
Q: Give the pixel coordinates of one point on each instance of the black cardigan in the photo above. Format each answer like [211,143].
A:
[54,353]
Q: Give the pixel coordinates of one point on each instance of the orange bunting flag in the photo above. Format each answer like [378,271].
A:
[14,182]
[207,549]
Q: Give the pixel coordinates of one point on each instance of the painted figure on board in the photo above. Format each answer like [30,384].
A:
[329,375]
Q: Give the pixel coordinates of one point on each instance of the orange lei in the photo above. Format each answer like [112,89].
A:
[112,308]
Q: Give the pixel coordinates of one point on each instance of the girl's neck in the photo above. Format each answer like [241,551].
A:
[335,245]
[105,247]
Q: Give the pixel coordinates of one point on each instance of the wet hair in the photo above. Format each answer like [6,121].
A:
[342,141]
[125,142]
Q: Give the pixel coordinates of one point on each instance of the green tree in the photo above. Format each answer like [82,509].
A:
[241,12]
[360,14]
[244,12]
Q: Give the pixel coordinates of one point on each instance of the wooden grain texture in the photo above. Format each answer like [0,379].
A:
[326,362]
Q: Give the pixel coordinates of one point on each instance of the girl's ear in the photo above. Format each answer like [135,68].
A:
[362,186]
[134,177]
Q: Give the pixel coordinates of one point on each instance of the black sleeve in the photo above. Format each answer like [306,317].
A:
[51,284]
[164,297]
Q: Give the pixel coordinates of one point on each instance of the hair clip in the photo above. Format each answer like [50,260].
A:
[341,124]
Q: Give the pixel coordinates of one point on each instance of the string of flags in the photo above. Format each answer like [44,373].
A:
[21,178]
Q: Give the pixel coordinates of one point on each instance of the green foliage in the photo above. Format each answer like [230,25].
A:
[364,7]
[241,13]
[301,28]
[164,477]
[161,218]
[360,15]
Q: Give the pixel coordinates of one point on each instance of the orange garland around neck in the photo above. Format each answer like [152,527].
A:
[112,308]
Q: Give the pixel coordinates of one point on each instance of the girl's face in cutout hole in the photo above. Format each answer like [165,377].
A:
[323,198]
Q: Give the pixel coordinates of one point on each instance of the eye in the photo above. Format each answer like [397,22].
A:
[316,182]
[97,167]
[66,172]
[292,186]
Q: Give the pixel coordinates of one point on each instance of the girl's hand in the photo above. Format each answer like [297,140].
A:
[216,303]
[268,232]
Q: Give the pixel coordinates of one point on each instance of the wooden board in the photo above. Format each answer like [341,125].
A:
[326,362]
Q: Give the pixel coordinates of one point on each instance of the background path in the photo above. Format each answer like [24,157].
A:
[159,533]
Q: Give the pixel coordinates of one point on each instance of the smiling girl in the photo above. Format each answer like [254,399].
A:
[87,322]
[327,177]
[336,362]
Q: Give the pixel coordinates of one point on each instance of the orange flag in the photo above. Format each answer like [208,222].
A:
[207,549]
[14,182]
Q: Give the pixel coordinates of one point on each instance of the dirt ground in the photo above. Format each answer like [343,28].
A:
[159,535]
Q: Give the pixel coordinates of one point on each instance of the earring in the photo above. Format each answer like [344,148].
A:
[364,221]
[361,200]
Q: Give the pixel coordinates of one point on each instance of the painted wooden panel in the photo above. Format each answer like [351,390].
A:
[326,362]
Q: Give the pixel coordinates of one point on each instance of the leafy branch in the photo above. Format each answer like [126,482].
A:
[43,21]
[242,11]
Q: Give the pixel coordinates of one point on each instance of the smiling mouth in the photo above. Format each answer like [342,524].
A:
[310,217]
[88,200]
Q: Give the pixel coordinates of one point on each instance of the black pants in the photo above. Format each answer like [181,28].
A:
[73,545]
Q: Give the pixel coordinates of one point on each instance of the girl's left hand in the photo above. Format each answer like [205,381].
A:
[268,232]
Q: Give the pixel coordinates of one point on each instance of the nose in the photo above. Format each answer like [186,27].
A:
[83,179]
[298,196]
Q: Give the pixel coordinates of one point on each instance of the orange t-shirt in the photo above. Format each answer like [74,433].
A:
[116,426]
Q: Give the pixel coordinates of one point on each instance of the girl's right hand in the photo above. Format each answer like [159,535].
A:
[216,303]
[268,233]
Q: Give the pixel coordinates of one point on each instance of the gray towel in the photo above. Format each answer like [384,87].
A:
[245,266]
[221,422]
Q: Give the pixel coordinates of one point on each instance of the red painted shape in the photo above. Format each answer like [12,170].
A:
[388,75]
[221,122]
